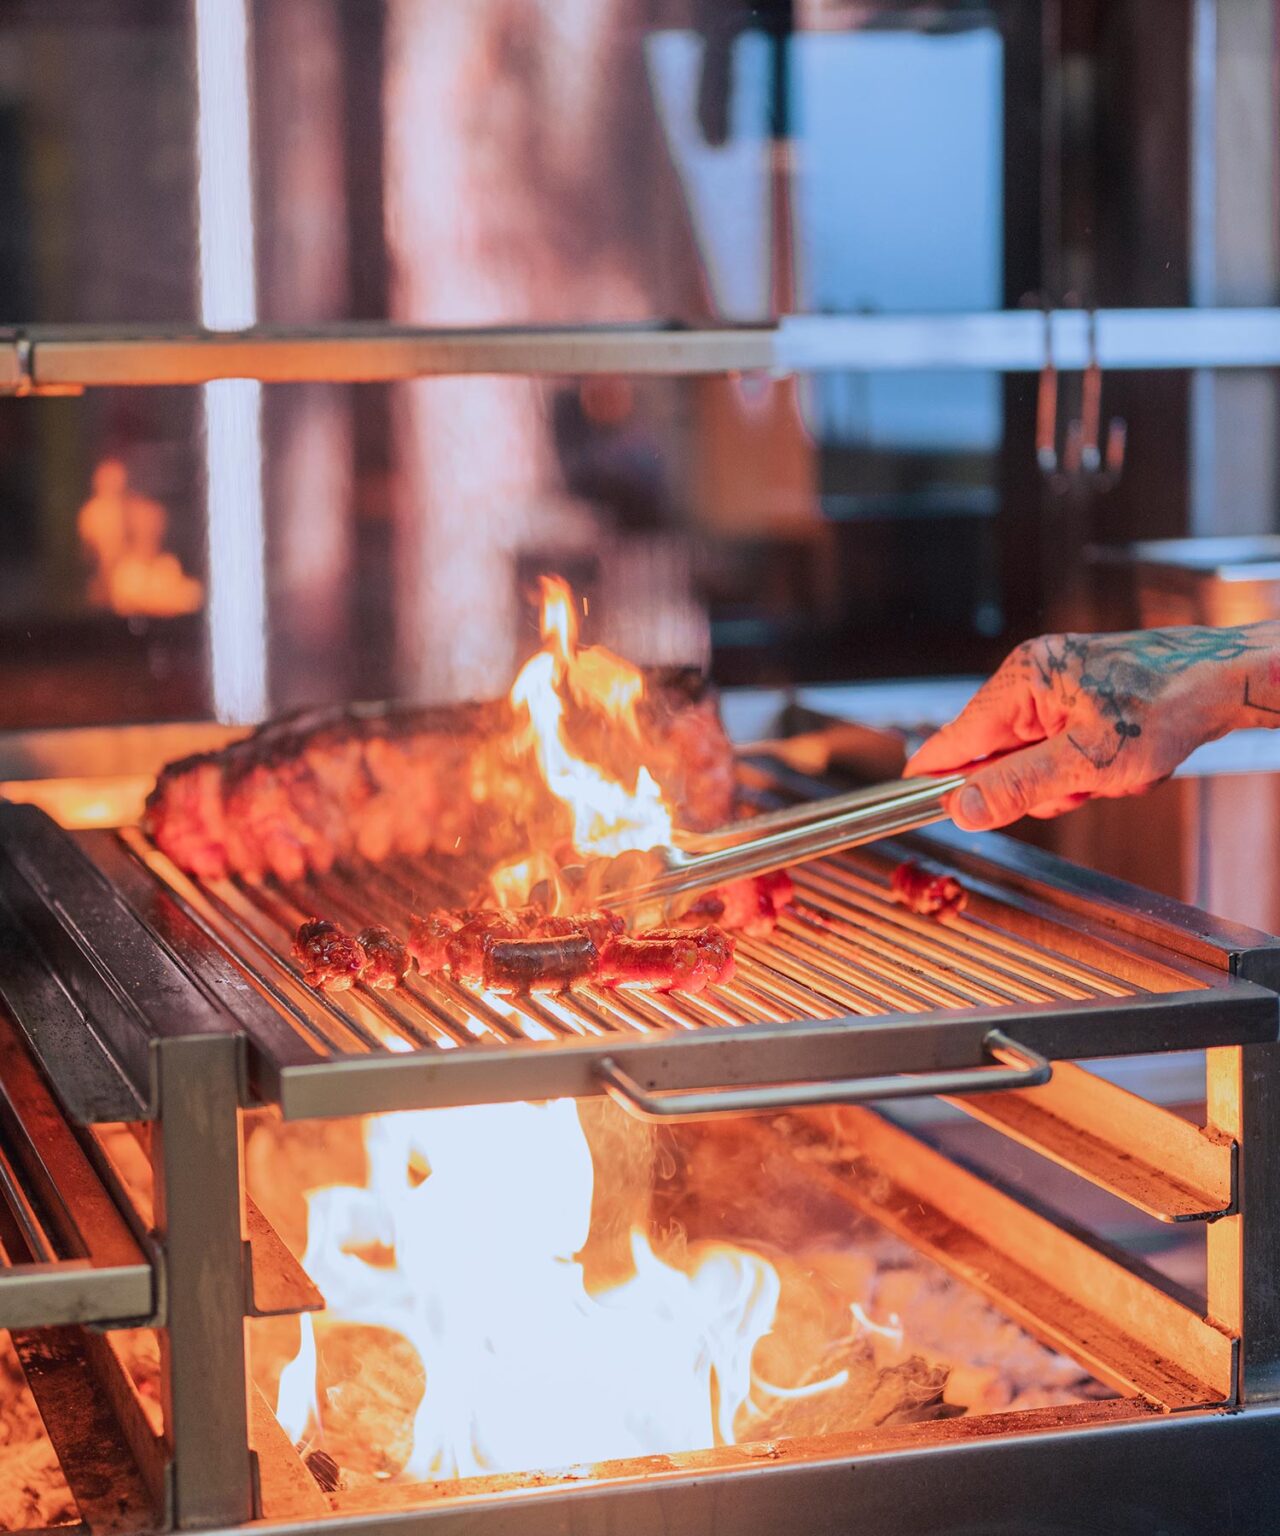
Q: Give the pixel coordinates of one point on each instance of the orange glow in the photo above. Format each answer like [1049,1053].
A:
[475,1264]
[86,802]
[566,690]
[123,534]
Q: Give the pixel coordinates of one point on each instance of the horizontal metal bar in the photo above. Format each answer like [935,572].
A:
[1022,1068]
[69,1255]
[1015,341]
[69,359]
[55,359]
[754,1054]
[1146,1155]
[1119,1325]
[994,1472]
[112,1488]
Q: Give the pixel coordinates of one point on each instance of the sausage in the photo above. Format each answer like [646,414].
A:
[540,965]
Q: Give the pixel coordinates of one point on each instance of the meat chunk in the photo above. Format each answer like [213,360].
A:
[750,906]
[540,965]
[387,960]
[332,961]
[521,951]
[928,894]
[308,790]
[668,959]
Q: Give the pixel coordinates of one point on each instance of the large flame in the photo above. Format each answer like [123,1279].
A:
[464,1240]
[613,812]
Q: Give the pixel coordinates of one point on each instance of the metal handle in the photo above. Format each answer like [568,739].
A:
[1023,1068]
[807,813]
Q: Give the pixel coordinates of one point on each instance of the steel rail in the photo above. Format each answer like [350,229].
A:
[68,359]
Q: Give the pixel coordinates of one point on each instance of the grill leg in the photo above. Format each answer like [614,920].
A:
[200,1216]
[1243,1100]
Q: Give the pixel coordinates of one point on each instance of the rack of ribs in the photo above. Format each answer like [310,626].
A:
[376,781]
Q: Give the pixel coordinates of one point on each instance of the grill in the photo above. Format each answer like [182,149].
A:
[138,995]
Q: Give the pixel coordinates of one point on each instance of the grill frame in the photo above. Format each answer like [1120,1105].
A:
[1215,1007]
[93,917]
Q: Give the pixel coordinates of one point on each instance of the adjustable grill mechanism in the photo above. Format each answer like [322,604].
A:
[137,996]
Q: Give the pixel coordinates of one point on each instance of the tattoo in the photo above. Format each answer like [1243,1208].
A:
[1122,674]
[1265,709]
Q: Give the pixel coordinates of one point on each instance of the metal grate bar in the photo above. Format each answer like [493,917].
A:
[864,900]
[849,983]
[845,948]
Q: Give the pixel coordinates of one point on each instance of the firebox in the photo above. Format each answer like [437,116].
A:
[600,1257]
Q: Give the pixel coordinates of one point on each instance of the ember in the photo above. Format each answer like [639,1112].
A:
[494,1303]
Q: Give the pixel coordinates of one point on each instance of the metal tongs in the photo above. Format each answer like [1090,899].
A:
[790,836]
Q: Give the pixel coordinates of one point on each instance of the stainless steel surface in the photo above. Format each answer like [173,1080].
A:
[1244,1249]
[60,359]
[1023,1069]
[1157,1162]
[68,1255]
[1111,1469]
[805,813]
[199,1214]
[89,984]
[830,830]
[1015,341]
[851,983]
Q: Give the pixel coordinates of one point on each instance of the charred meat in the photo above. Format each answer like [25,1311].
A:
[750,906]
[387,960]
[302,792]
[521,951]
[668,959]
[928,894]
[331,960]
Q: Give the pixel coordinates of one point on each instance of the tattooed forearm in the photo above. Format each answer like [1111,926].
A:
[1123,675]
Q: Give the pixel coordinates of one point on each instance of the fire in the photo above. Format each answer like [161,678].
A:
[612,812]
[465,1241]
[123,534]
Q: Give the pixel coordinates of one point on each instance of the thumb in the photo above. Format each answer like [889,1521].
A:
[996,795]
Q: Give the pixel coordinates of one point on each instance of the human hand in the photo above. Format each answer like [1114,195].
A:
[1071,717]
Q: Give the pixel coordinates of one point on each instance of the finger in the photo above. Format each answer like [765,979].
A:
[1000,715]
[1048,772]
[1061,807]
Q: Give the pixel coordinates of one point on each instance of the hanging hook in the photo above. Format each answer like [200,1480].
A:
[1047,405]
[1091,403]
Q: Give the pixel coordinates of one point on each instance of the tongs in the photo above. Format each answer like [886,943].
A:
[756,846]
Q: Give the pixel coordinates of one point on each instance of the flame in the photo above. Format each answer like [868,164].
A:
[474,1263]
[123,534]
[612,812]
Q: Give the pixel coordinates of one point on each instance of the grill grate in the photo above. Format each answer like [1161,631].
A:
[845,948]
[849,986]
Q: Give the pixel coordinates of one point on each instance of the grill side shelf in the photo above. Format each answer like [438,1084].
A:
[129,991]
[66,1253]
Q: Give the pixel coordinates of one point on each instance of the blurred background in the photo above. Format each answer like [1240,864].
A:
[240,550]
